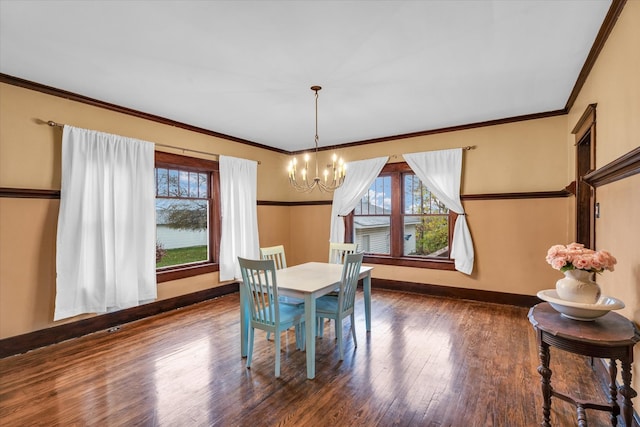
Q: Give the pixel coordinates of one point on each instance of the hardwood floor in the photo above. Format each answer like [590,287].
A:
[427,362]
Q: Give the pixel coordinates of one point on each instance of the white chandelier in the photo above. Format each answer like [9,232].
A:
[332,178]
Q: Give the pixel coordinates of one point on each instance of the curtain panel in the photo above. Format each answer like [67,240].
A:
[238,205]
[105,248]
[440,171]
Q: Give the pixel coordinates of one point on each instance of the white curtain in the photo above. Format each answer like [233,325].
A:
[238,204]
[440,171]
[360,175]
[105,253]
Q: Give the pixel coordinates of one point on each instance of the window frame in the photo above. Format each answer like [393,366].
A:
[192,164]
[396,171]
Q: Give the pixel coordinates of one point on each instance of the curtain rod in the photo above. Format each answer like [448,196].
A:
[393,156]
[468,147]
[60,125]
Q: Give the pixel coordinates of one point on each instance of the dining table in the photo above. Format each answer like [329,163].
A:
[308,281]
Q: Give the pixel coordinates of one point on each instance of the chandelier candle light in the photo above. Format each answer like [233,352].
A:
[331,180]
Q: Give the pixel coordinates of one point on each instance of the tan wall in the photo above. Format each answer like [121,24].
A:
[507,158]
[27,264]
[614,85]
[274,228]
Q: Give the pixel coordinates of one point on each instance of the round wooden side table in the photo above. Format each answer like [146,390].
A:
[611,336]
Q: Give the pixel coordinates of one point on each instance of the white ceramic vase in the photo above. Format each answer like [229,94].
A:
[577,286]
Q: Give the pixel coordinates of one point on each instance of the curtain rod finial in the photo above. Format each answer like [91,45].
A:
[48,122]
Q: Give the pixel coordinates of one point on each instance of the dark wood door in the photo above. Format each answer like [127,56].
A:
[585,194]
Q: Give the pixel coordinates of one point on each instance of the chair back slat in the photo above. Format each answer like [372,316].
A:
[275,253]
[348,286]
[261,288]
[338,251]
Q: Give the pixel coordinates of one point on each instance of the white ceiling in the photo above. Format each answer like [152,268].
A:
[244,68]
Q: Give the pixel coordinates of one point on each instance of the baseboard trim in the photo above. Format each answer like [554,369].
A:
[36,339]
[457,293]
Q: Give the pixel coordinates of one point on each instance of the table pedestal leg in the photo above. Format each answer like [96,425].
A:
[545,373]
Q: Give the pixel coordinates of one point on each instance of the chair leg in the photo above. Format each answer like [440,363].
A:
[319,327]
[268,336]
[353,330]
[250,349]
[277,341]
[339,335]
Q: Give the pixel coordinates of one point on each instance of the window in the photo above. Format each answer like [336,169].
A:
[399,221]
[187,216]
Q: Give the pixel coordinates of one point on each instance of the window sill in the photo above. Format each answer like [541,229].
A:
[435,264]
[180,272]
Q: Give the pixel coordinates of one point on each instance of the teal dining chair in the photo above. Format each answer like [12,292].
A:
[265,311]
[276,253]
[340,306]
[338,251]
[337,254]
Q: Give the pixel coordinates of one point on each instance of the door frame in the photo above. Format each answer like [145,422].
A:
[585,162]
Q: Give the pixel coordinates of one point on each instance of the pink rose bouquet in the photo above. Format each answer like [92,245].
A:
[576,257]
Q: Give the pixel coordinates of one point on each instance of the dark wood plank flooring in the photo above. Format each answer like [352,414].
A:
[427,362]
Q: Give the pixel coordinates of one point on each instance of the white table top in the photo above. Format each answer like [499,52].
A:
[312,277]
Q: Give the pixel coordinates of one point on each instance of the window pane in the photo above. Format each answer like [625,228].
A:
[373,233]
[203,181]
[193,184]
[412,194]
[182,231]
[426,235]
[418,199]
[377,201]
[162,182]
[183,185]
[173,183]
[372,220]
